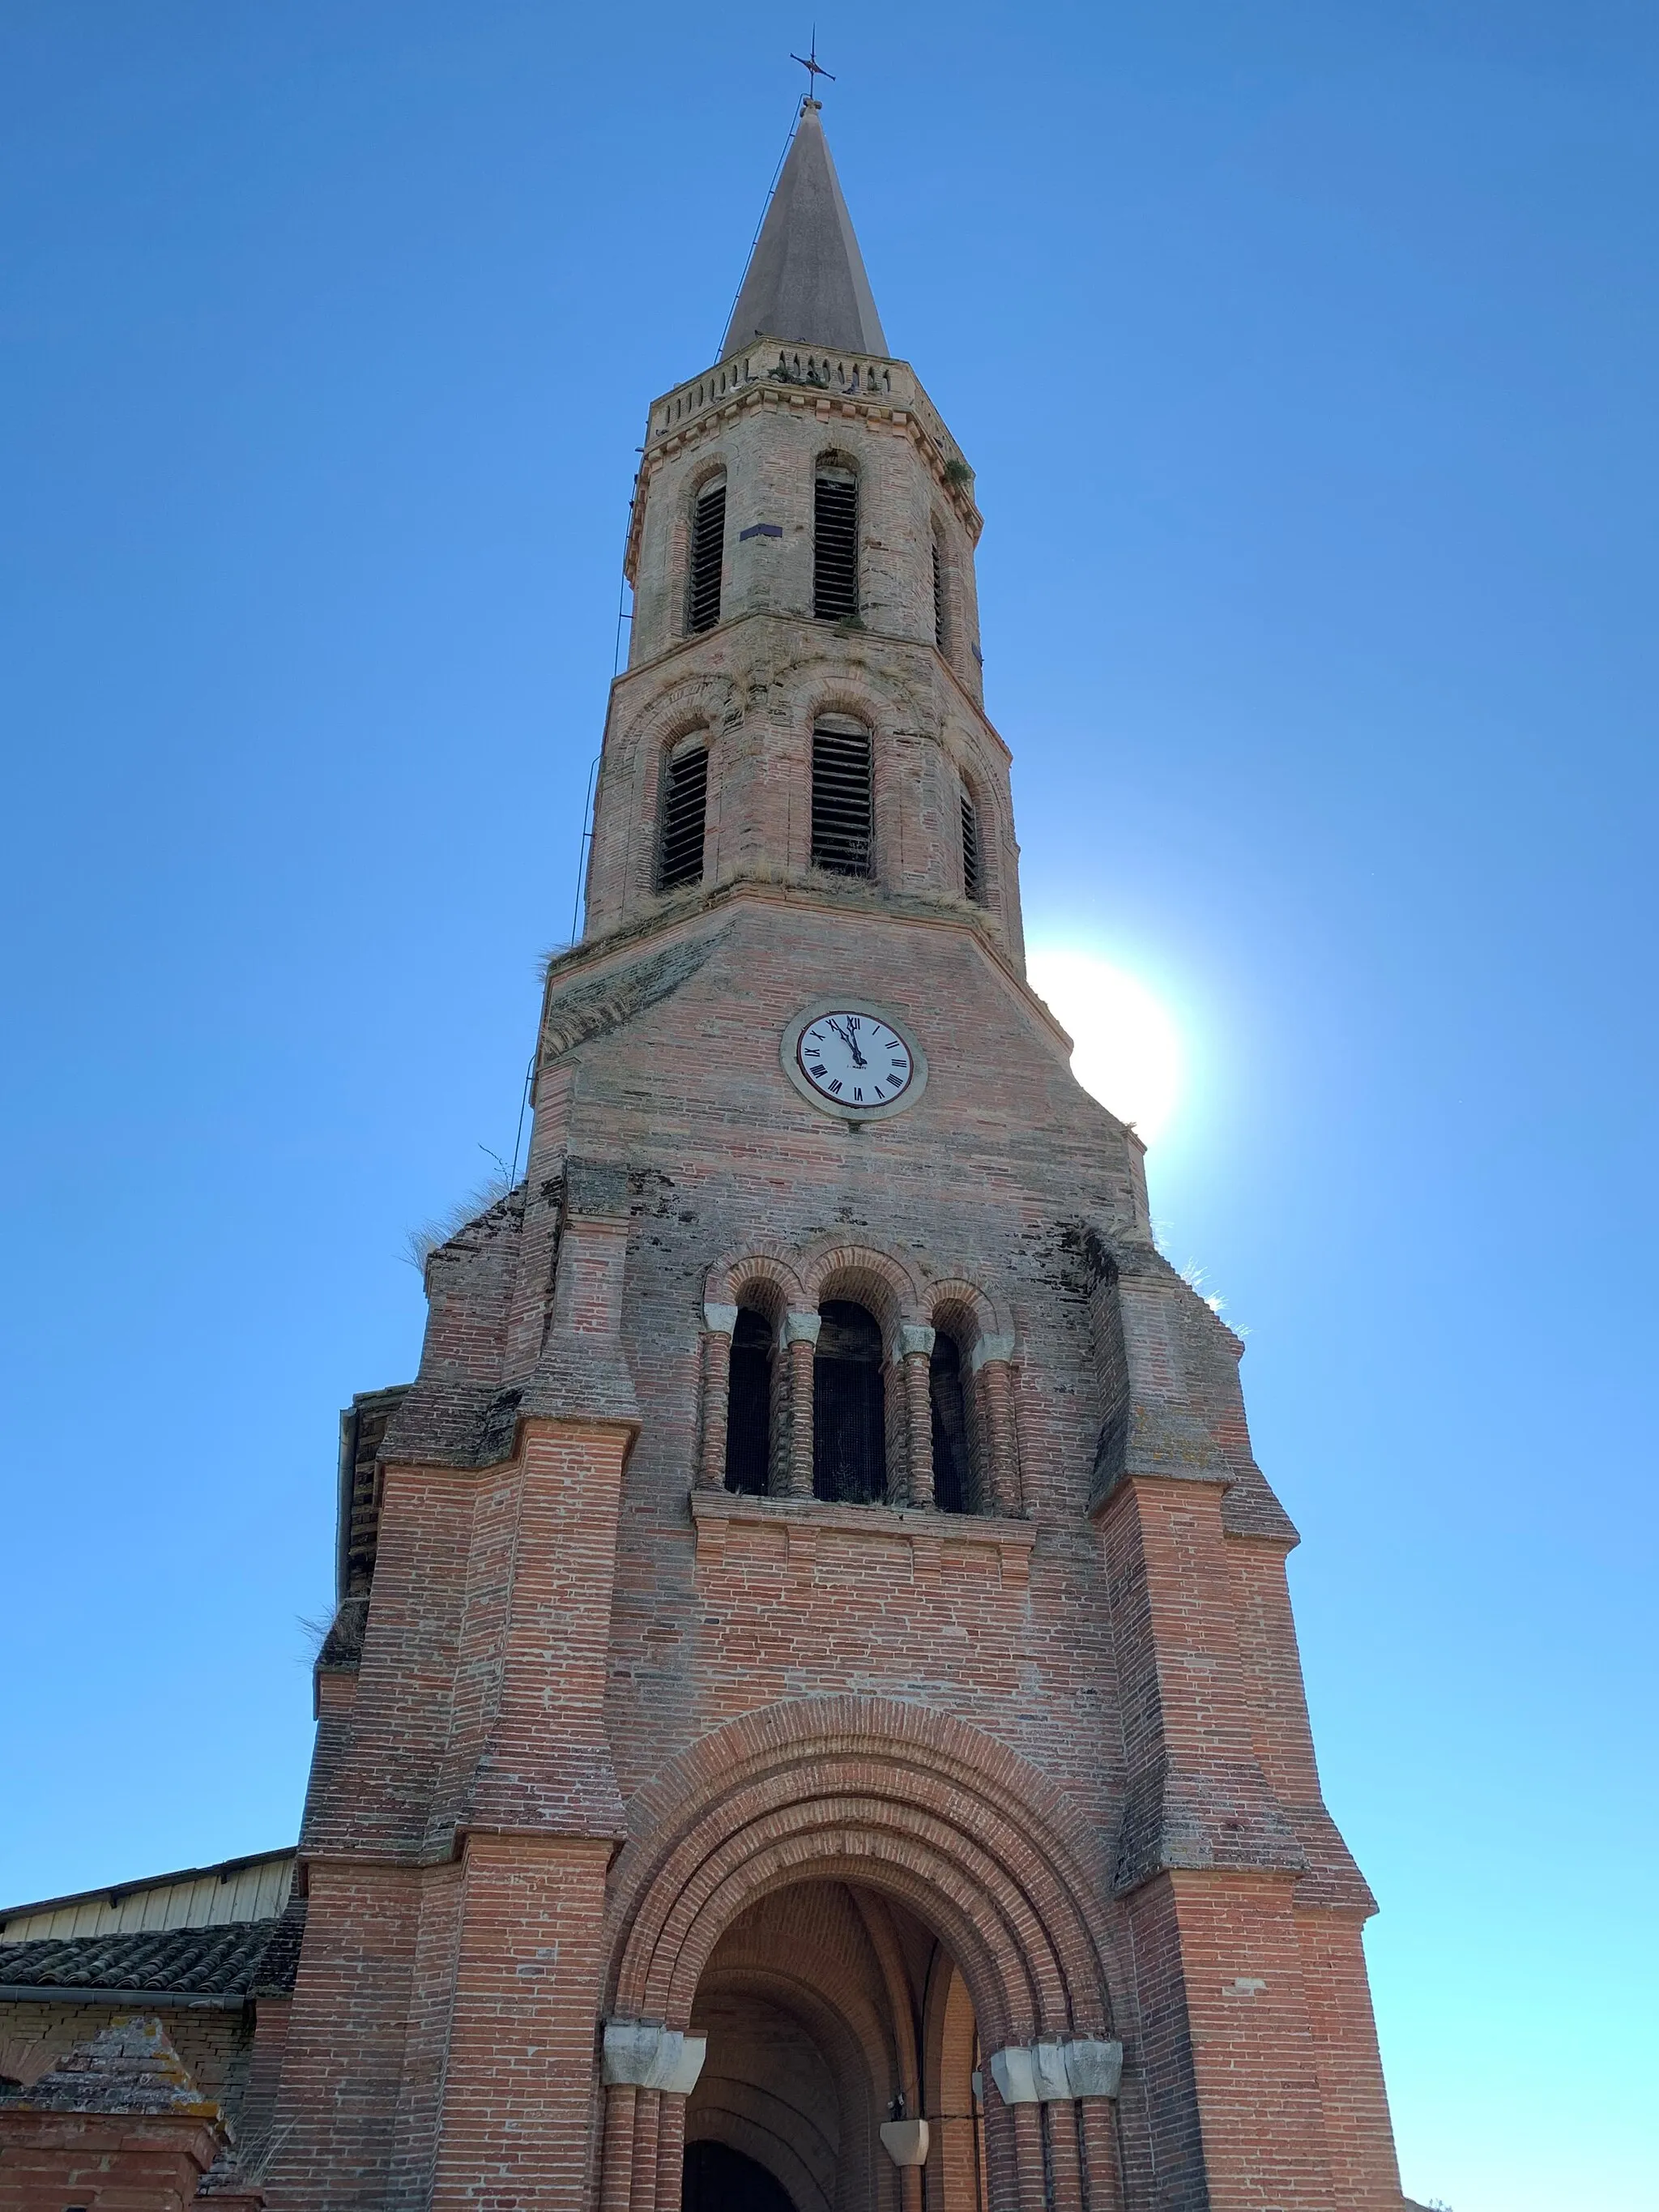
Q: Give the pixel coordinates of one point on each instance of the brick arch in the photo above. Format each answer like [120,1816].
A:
[737,1273]
[714,463]
[885,701]
[968,1312]
[848,1844]
[834,1269]
[700,702]
[956,1826]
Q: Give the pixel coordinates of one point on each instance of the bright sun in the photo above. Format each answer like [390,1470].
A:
[1127,1048]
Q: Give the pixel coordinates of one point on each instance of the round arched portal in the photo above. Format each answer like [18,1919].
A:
[852,1898]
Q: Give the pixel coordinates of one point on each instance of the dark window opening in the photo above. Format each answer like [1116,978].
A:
[684,805]
[749,1406]
[973,860]
[720,2179]
[938,597]
[950,1428]
[842,801]
[702,599]
[835,545]
[849,1425]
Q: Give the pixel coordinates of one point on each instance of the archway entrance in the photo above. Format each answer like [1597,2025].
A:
[831,2009]
[720,2179]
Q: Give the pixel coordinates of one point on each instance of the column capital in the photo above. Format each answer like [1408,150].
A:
[1056,2073]
[641,2057]
[989,1348]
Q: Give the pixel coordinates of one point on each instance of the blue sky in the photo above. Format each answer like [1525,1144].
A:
[1306,355]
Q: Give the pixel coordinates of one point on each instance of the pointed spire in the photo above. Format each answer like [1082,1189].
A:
[805,279]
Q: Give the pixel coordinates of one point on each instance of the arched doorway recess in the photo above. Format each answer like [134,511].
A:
[939,1855]
[830,2008]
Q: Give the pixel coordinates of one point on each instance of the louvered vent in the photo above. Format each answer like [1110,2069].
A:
[835,545]
[840,801]
[938,597]
[702,606]
[685,802]
[973,865]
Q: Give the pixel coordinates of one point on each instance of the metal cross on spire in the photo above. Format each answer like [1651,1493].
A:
[809,61]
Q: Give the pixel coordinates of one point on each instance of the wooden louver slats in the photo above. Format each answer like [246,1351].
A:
[973,867]
[835,548]
[842,801]
[708,551]
[685,802]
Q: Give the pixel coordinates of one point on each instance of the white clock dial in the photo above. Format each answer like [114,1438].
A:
[855,1059]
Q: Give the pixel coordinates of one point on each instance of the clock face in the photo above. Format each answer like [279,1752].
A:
[853,1058]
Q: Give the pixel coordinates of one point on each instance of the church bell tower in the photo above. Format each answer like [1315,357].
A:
[813,1720]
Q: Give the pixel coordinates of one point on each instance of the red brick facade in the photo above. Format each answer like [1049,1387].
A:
[899,1807]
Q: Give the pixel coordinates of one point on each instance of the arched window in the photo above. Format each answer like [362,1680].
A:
[683,812]
[842,798]
[952,1488]
[749,1406]
[849,1421]
[835,540]
[973,854]
[702,594]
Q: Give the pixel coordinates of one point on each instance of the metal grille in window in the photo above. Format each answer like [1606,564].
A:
[938,597]
[849,1443]
[950,1428]
[749,1406]
[835,545]
[973,863]
[685,800]
[703,605]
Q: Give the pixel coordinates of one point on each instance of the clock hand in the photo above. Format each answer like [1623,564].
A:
[851,1043]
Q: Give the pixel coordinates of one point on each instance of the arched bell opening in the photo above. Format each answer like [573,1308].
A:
[849,1407]
[832,2010]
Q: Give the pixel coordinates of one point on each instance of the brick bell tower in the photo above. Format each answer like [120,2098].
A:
[814,1723]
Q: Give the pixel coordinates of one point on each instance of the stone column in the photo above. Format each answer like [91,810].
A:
[719,1322]
[1031,2183]
[801,1337]
[1097,2122]
[648,2128]
[1001,2154]
[988,1364]
[649,2072]
[1059,2119]
[671,2154]
[616,2170]
[915,1348]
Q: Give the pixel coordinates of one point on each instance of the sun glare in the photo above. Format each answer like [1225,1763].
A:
[1126,1047]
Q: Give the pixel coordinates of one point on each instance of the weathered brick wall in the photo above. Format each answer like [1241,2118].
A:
[215,2045]
[1067,1729]
[766,445]
[756,687]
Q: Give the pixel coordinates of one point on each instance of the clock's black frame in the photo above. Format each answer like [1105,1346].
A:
[848,1003]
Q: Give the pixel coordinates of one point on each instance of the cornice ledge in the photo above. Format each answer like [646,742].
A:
[681,646]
